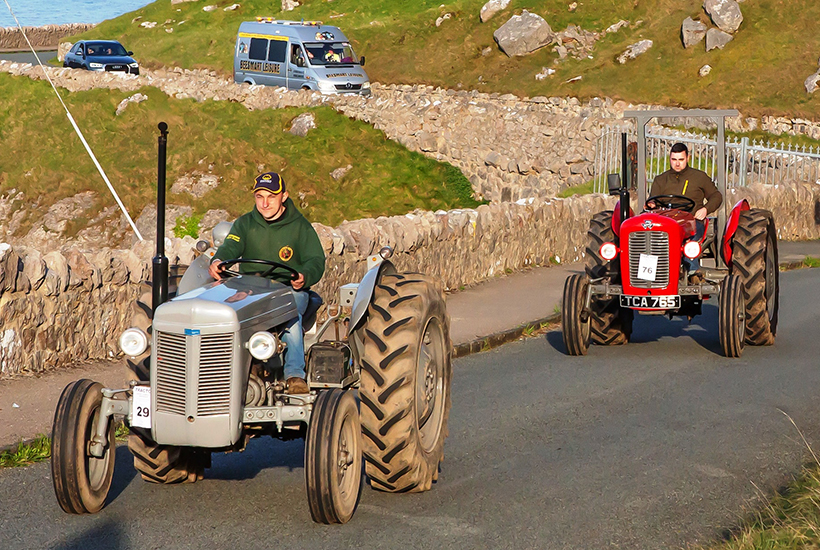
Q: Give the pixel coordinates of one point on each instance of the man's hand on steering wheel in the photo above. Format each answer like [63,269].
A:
[215,269]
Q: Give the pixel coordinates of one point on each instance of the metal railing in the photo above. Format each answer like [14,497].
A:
[747,162]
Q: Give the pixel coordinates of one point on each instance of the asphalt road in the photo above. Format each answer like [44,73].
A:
[658,444]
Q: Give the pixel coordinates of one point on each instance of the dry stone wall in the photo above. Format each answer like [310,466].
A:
[45,37]
[64,307]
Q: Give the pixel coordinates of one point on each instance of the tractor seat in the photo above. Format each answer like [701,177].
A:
[309,318]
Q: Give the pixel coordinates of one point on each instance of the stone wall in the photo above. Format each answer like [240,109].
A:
[46,37]
[63,307]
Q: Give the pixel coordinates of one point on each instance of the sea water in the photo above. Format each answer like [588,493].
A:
[34,13]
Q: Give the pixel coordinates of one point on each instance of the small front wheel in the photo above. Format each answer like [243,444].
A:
[732,312]
[575,327]
[81,480]
[333,457]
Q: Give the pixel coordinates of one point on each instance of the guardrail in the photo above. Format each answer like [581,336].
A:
[747,162]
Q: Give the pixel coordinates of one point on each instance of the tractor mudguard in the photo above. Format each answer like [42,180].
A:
[364,293]
[196,275]
[731,227]
[616,218]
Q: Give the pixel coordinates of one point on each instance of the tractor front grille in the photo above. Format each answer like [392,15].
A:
[171,361]
[655,243]
[214,372]
[215,359]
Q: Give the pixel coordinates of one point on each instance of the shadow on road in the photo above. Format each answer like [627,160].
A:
[124,472]
[703,329]
[106,534]
[263,453]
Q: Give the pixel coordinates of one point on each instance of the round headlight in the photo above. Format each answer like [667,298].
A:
[133,342]
[608,251]
[262,345]
[692,249]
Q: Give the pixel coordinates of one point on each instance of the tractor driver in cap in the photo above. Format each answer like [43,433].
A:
[682,179]
[276,231]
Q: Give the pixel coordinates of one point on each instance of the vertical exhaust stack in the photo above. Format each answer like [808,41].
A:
[624,179]
[159,287]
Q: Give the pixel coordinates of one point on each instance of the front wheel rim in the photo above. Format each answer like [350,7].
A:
[430,384]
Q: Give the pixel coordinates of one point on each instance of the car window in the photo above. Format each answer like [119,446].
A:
[259,49]
[277,51]
[77,47]
[106,49]
[330,53]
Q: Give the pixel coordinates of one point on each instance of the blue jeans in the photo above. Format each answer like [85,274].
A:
[293,337]
[700,229]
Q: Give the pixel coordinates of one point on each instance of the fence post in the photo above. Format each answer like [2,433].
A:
[744,145]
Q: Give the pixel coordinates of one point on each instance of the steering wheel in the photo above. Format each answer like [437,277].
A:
[229,263]
[672,202]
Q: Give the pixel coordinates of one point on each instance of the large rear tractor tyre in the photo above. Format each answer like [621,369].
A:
[333,457]
[81,480]
[732,316]
[754,259]
[405,383]
[166,464]
[609,324]
[574,316]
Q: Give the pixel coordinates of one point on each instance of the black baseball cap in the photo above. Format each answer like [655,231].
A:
[269,181]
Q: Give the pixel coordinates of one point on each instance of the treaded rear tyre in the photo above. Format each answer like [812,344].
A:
[81,480]
[333,457]
[754,259]
[732,316]
[157,463]
[610,325]
[575,328]
[405,383]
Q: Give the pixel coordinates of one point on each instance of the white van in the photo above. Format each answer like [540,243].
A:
[298,55]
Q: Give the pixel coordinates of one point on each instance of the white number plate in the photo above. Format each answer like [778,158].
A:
[141,407]
[647,267]
[651,302]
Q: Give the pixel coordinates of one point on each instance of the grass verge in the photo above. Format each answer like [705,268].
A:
[27,453]
[777,43]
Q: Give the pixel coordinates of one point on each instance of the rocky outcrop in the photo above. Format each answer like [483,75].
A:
[725,14]
[716,38]
[692,32]
[634,50]
[491,8]
[46,37]
[813,81]
[523,34]
[302,124]
[68,306]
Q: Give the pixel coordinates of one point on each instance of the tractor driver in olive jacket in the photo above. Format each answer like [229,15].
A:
[682,179]
[276,231]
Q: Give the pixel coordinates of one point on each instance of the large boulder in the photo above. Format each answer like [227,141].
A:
[491,8]
[634,50]
[724,13]
[717,39]
[692,32]
[813,82]
[523,34]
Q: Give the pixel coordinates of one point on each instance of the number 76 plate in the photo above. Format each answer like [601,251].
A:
[651,302]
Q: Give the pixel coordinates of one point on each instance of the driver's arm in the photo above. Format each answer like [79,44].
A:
[232,248]
[311,255]
[713,197]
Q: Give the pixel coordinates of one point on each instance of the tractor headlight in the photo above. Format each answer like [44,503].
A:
[262,345]
[691,249]
[608,251]
[133,342]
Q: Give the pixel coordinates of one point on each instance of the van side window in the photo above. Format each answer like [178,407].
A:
[296,56]
[259,47]
[278,49]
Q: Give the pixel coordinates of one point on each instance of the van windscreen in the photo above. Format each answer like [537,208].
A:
[330,53]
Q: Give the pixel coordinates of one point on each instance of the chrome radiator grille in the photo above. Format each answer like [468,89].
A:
[171,359]
[655,243]
[214,373]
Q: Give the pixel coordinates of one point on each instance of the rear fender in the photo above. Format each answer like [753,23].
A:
[616,218]
[731,227]
[364,293]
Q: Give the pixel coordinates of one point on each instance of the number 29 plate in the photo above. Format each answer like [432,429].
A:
[651,302]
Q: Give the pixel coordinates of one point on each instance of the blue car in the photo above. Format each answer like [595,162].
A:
[101,55]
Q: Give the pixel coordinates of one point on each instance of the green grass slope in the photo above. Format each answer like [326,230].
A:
[761,71]
[43,157]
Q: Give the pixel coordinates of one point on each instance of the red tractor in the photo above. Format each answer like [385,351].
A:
[634,262]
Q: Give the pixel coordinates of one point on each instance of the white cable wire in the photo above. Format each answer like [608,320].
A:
[76,128]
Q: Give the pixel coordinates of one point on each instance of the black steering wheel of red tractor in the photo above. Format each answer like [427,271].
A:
[671,202]
[274,265]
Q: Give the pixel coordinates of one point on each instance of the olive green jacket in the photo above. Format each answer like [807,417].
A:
[691,183]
